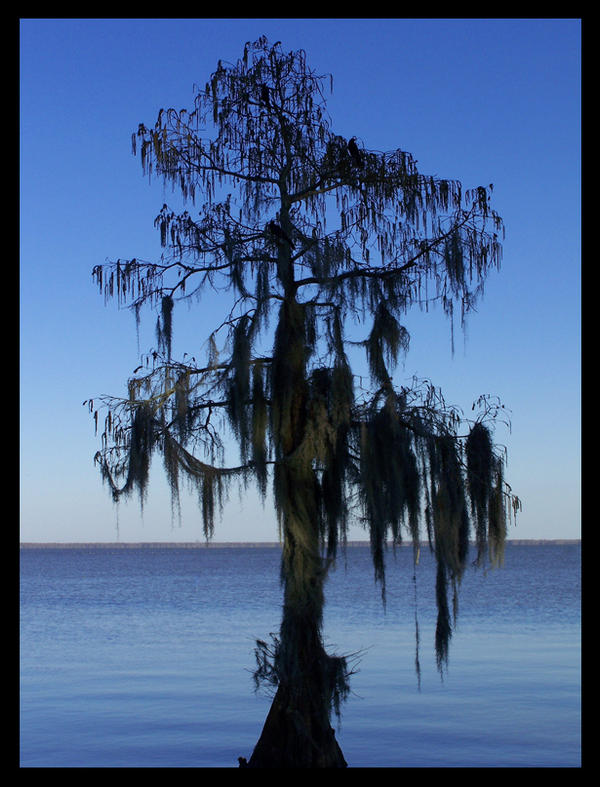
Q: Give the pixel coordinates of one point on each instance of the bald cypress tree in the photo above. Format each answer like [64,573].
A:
[307,236]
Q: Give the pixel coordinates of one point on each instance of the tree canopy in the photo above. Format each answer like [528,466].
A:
[293,224]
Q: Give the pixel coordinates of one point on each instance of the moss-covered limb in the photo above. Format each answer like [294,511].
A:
[145,436]
[411,471]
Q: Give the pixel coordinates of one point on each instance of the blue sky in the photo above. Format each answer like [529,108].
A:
[481,100]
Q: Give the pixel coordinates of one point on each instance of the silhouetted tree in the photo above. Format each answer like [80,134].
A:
[291,228]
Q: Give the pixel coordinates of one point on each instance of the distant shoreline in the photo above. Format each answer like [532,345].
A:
[240,544]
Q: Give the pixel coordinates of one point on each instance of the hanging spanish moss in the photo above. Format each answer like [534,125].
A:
[497,516]
[480,468]
[387,337]
[390,484]
[288,378]
[260,421]
[142,442]
[335,672]
[183,418]
[417,634]
[443,628]
[239,385]
[138,446]
[164,325]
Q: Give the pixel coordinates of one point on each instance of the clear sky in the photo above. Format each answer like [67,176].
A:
[481,100]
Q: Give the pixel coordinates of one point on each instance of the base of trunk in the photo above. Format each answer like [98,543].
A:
[292,739]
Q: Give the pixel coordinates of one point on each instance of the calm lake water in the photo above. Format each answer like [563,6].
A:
[142,658]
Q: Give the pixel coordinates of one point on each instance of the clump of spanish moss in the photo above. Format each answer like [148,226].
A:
[164,325]
[239,386]
[387,337]
[334,672]
[390,484]
[288,377]
[259,426]
[450,530]
[183,420]
[486,488]
[497,516]
[141,444]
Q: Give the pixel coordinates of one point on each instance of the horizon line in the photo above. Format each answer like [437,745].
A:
[240,544]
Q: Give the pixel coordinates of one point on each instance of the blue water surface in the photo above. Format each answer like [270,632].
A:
[143,658]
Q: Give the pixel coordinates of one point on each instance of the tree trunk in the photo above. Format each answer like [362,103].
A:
[295,738]
[297,732]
